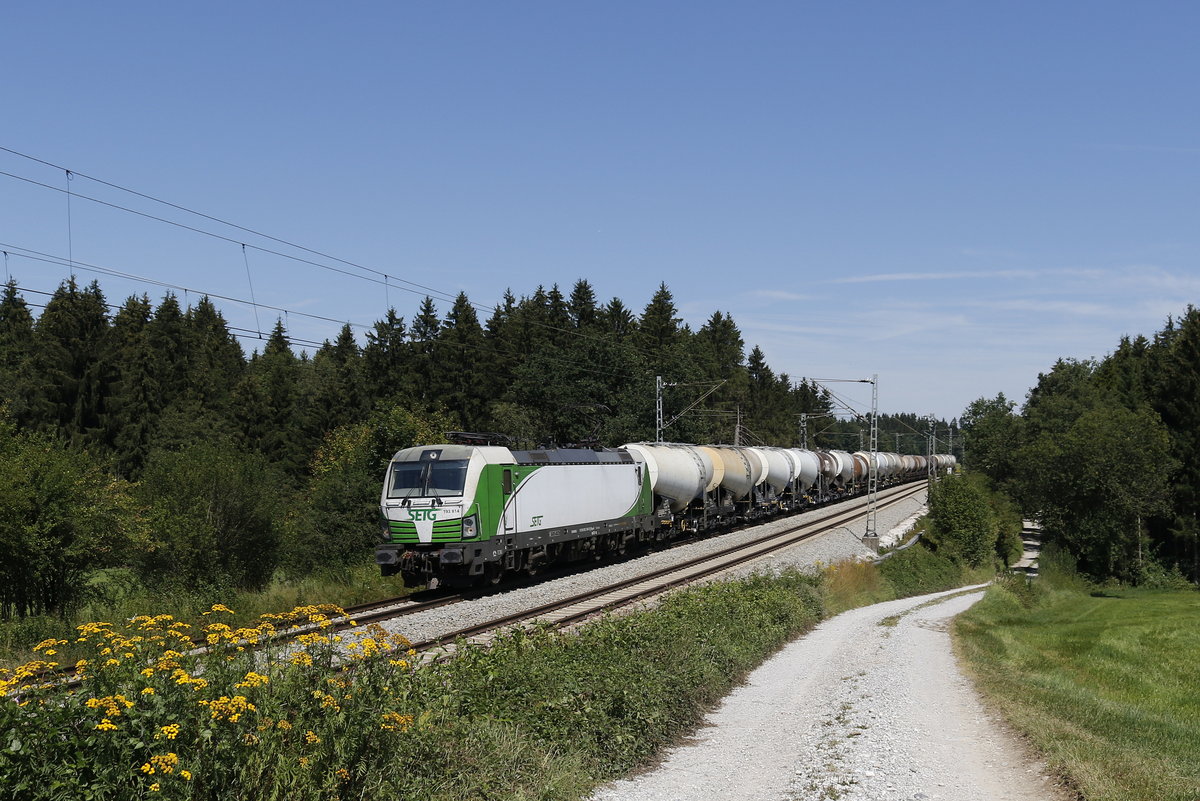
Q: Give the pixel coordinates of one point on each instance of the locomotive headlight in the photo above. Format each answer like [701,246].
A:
[469,527]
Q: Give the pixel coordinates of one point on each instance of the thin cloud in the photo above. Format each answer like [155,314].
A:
[1062,307]
[882,277]
[776,294]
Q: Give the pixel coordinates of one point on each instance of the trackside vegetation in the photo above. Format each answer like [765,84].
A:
[1101,678]
[537,714]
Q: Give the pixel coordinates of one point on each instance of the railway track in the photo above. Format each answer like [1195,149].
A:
[578,607]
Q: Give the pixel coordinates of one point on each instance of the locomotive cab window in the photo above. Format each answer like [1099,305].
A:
[428,479]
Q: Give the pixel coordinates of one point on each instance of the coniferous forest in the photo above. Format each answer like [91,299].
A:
[144,436]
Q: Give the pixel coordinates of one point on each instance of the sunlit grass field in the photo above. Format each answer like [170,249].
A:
[1105,682]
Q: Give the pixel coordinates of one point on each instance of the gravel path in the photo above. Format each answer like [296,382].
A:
[852,711]
[834,546]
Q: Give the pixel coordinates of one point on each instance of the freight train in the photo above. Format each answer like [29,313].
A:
[472,514]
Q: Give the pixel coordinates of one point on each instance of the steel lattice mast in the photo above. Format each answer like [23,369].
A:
[873,466]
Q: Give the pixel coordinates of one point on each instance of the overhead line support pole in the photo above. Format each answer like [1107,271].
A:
[871,536]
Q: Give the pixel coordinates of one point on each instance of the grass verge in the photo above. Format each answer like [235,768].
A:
[1104,682]
[913,571]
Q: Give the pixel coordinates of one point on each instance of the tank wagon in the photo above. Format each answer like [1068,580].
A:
[470,514]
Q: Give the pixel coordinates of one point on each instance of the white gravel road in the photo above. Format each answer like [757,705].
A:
[852,711]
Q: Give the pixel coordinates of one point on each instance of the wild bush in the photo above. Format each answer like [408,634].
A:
[215,512]
[962,524]
[62,517]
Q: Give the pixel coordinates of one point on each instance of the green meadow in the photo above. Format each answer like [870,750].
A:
[1105,682]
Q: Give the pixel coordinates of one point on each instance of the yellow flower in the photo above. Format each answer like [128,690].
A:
[231,709]
[170,731]
[148,672]
[253,679]
[164,762]
[48,644]
[186,774]
[394,721]
[343,774]
[311,738]
[148,769]
[284,725]
[154,788]
[219,608]
[302,658]
[147,691]
[106,725]
[304,762]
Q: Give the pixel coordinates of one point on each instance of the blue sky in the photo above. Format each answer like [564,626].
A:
[948,194]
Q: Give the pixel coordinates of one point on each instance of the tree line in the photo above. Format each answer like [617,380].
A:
[144,435]
[1103,453]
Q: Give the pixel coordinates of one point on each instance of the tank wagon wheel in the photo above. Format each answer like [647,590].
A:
[493,574]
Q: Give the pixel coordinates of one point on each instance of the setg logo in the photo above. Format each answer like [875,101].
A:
[536,521]
[422,515]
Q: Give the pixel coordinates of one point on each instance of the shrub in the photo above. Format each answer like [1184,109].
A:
[918,570]
[61,518]
[215,514]
[962,524]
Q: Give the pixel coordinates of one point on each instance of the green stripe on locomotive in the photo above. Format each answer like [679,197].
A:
[402,531]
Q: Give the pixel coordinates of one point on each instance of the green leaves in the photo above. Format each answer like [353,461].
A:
[61,517]
[962,524]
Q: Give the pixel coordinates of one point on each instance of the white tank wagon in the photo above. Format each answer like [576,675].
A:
[739,476]
[758,463]
[780,471]
[718,464]
[862,465]
[679,473]
[810,467]
[845,467]
[829,465]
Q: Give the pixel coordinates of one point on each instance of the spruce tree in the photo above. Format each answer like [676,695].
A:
[69,373]
[135,403]
[16,344]
[423,337]
[464,382]
[582,306]
[386,359]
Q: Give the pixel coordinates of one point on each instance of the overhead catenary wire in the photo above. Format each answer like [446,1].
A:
[246,261]
[383,277]
[70,231]
[420,289]
[234,330]
[489,349]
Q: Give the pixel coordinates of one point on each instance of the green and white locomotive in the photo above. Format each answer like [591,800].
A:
[465,514]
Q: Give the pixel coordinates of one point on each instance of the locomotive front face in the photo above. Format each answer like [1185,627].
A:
[429,510]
